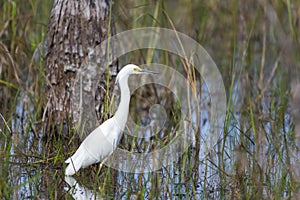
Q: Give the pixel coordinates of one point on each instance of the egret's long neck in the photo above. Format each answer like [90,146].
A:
[123,109]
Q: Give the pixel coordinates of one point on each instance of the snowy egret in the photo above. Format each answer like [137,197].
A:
[101,142]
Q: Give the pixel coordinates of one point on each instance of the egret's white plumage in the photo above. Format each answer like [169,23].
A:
[99,144]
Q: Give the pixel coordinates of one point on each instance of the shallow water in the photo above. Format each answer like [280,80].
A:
[33,170]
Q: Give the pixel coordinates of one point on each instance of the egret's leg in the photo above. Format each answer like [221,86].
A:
[101,164]
[99,169]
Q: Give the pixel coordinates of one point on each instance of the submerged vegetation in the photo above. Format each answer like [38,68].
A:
[255,45]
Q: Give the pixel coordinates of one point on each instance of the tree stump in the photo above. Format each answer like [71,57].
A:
[76,28]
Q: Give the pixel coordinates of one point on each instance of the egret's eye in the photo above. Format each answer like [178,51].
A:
[136,69]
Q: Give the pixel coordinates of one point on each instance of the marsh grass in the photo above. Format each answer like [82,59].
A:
[256,47]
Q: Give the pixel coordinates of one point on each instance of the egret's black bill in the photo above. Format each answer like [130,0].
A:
[148,71]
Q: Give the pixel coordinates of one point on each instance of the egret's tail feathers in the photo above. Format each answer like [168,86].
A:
[68,160]
[81,159]
[72,167]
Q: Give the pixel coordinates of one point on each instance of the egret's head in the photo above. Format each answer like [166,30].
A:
[132,69]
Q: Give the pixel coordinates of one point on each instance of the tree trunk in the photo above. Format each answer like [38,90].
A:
[76,28]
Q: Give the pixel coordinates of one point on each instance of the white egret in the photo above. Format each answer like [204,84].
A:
[101,142]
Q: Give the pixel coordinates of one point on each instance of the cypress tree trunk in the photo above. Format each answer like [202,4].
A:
[76,28]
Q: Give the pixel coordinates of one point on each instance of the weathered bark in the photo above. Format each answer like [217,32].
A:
[76,28]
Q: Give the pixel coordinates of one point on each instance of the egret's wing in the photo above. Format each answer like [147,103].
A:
[103,140]
[96,147]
